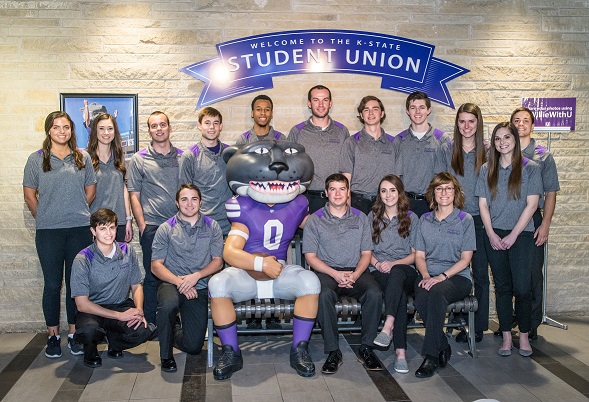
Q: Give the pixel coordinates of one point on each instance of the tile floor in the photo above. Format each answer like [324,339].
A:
[558,370]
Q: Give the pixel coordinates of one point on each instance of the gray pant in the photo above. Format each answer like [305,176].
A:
[294,281]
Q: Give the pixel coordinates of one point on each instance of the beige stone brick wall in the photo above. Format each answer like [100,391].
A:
[514,49]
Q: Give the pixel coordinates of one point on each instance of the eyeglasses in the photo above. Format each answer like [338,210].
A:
[444,189]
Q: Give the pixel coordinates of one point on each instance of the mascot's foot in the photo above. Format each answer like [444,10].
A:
[230,362]
[300,360]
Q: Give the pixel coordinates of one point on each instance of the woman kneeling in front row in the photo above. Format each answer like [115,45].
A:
[444,245]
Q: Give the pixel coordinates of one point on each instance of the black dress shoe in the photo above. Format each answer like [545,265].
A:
[115,354]
[229,362]
[445,356]
[478,337]
[533,335]
[462,337]
[300,360]
[333,362]
[92,359]
[427,368]
[367,357]
[169,365]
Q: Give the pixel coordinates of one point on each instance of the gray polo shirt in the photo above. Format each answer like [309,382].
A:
[155,177]
[542,157]
[250,136]
[367,160]
[206,170]
[468,181]
[187,249]
[504,210]
[105,280]
[110,190]
[417,161]
[392,246]
[337,242]
[444,241]
[323,146]
[62,199]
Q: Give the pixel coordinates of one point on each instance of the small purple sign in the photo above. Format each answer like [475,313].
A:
[248,64]
[552,112]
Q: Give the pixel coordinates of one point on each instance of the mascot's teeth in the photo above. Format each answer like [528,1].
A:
[274,187]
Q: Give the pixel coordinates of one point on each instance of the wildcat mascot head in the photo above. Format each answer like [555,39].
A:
[269,172]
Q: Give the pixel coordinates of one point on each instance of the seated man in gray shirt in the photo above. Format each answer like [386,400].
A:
[102,275]
[337,244]
[187,249]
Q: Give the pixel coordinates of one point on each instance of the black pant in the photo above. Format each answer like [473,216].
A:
[190,337]
[121,232]
[366,291]
[480,276]
[396,286]
[432,306]
[91,329]
[512,274]
[57,248]
[316,200]
[150,281]
[537,275]
[363,202]
[419,207]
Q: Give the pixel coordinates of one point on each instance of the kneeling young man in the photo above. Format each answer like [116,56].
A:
[186,251]
[102,275]
[337,244]
[268,176]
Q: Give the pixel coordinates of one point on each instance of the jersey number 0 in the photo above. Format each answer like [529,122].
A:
[272,234]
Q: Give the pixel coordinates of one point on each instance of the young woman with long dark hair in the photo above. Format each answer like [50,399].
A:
[108,159]
[466,154]
[392,262]
[509,187]
[58,185]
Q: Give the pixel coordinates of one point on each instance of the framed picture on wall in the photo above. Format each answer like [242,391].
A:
[83,108]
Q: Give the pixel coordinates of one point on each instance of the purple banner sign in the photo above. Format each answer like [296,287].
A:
[248,64]
[552,112]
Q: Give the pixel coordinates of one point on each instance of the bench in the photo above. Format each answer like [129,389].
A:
[349,311]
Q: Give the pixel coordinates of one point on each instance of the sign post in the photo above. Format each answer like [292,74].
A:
[552,115]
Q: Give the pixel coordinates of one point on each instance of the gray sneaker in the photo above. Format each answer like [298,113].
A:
[382,339]
[401,366]
[75,348]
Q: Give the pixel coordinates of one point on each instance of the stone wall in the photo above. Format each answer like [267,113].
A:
[513,48]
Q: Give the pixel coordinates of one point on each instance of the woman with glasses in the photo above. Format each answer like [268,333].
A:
[444,245]
[509,188]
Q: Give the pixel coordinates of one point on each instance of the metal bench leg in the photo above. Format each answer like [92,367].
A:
[471,335]
[210,343]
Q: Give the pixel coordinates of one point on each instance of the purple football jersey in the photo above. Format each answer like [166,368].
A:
[271,229]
